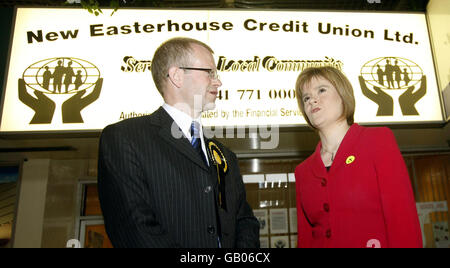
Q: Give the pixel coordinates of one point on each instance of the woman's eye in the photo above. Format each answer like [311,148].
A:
[305,99]
[322,90]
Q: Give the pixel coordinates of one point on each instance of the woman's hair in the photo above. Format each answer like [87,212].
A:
[337,79]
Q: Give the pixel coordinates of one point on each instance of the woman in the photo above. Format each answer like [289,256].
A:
[354,190]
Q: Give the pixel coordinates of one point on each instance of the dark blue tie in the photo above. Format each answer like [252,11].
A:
[196,141]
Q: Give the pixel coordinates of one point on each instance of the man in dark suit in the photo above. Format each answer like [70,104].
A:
[161,182]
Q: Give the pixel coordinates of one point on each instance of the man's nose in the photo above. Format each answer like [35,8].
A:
[217,82]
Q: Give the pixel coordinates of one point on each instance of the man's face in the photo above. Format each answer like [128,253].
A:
[199,88]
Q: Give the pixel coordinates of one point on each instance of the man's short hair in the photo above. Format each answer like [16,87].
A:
[173,52]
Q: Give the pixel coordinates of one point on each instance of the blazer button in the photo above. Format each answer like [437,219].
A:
[328,233]
[326,207]
[208,189]
[324,182]
[211,229]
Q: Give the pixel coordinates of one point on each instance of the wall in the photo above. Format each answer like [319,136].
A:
[6,15]
[438,13]
[47,202]
[61,205]
[8,193]
[31,204]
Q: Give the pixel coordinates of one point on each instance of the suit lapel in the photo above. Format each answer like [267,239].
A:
[182,144]
[213,167]
[317,164]
[347,147]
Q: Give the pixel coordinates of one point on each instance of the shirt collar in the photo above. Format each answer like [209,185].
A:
[183,120]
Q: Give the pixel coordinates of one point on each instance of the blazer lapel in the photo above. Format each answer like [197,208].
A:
[318,167]
[182,144]
[347,147]
[344,151]
[213,167]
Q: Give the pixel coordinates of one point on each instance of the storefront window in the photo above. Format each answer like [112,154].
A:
[431,184]
[270,186]
[92,233]
[8,183]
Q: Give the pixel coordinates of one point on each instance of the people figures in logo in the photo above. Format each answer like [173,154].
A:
[406,76]
[68,75]
[78,80]
[389,72]
[42,80]
[46,76]
[392,73]
[397,73]
[57,77]
[62,75]
[354,190]
[380,74]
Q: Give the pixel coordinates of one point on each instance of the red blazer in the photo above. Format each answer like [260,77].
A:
[364,200]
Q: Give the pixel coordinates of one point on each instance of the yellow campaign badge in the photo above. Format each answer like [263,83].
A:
[221,164]
[350,160]
[218,157]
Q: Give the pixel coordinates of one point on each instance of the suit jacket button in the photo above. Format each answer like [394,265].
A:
[208,189]
[324,182]
[211,229]
[328,233]
[326,207]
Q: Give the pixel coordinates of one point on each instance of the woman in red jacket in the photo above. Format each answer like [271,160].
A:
[354,190]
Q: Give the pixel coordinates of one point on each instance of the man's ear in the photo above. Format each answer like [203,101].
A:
[176,76]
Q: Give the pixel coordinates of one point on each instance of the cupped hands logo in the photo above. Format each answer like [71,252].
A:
[381,78]
[64,77]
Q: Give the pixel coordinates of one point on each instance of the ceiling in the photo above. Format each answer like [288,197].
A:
[381,5]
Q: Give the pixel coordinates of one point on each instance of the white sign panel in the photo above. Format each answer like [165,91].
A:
[70,70]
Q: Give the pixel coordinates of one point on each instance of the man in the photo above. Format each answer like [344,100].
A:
[161,182]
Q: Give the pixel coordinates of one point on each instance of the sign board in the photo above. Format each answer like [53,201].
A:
[438,16]
[69,70]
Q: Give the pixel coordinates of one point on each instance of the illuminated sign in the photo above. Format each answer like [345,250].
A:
[70,70]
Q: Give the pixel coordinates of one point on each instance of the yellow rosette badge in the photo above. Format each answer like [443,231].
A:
[218,157]
[221,164]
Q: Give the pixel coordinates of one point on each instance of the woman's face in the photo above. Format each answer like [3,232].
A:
[322,103]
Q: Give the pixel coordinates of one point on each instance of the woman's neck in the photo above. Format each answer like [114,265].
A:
[332,136]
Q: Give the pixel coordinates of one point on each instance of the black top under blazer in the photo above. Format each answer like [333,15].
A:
[156,191]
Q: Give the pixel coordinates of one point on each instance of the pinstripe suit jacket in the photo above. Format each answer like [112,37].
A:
[155,190]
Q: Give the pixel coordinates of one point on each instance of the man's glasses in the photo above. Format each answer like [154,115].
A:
[212,73]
